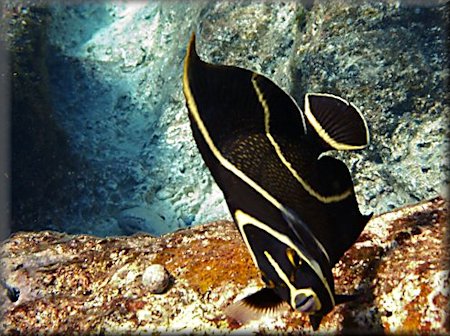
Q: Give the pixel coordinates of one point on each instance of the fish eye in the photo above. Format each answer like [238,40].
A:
[305,303]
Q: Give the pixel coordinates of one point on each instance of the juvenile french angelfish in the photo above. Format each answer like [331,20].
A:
[295,208]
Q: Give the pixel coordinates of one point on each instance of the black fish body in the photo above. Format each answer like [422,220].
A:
[295,208]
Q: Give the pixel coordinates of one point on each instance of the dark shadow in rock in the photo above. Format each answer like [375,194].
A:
[365,301]
[54,186]
[403,229]
[59,184]
[91,108]
[41,159]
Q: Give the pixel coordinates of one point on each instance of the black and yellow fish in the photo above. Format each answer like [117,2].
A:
[294,207]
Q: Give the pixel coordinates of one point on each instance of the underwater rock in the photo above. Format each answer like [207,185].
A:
[128,119]
[61,283]
[41,156]
[389,59]
[114,78]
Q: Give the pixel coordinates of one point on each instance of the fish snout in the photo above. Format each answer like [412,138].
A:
[307,303]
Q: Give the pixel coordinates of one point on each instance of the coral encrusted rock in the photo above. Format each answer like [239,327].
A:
[54,283]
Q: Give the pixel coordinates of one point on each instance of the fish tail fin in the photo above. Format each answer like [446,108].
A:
[337,123]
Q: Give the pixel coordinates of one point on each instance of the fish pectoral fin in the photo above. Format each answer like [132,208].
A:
[254,306]
[304,236]
[314,320]
[338,123]
[344,298]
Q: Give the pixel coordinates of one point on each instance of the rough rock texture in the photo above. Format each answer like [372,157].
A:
[56,283]
[112,73]
[137,137]
[391,61]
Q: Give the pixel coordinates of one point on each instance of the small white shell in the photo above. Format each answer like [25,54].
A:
[156,278]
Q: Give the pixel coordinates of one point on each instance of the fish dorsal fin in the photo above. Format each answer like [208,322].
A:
[338,123]
[244,124]
[191,52]
[254,306]
[282,116]
[345,221]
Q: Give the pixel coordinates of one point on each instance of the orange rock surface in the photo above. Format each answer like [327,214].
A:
[53,283]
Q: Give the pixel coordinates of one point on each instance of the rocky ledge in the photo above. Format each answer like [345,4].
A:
[56,283]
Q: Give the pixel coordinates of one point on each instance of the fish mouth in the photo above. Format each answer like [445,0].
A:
[305,303]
